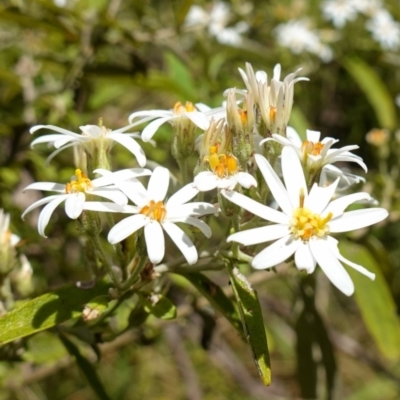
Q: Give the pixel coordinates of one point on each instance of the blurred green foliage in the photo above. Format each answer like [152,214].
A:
[71,65]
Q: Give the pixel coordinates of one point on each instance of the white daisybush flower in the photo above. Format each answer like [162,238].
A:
[315,154]
[274,98]
[75,194]
[385,30]
[339,12]
[367,7]
[303,226]
[6,237]
[224,172]
[216,20]
[298,38]
[93,137]
[181,114]
[156,215]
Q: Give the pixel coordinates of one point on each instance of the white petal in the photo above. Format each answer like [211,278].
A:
[338,206]
[109,207]
[276,253]
[51,186]
[304,259]
[198,223]
[357,219]
[256,208]
[47,139]
[135,191]
[131,145]
[319,197]
[109,177]
[93,131]
[199,119]
[183,195]
[294,137]
[293,176]
[45,200]
[259,235]
[150,113]
[227,182]
[333,246]
[182,241]
[158,184]
[155,243]
[194,209]
[331,266]
[206,181]
[151,129]
[126,227]
[45,215]
[275,185]
[112,194]
[74,204]
[54,153]
[57,129]
[313,136]
[246,180]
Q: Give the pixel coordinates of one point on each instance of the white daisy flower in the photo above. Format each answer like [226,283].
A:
[7,238]
[385,30]
[155,215]
[298,37]
[75,194]
[224,174]
[315,154]
[339,12]
[303,226]
[181,114]
[93,137]
[274,98]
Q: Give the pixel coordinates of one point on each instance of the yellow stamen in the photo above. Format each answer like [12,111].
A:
[81,184]
[312,148]
[272,113]
[180,109]
[154,210]
[221,164]
[305,224]
[243,116]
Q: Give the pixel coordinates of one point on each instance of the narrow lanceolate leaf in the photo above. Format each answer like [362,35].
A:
[217,298]
[253,323]
[86,367]
[375,301]
[375,90]
[47,310]
[159,305]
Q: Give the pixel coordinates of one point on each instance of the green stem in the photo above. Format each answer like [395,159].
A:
[135,273]
[104,260]
[184,169]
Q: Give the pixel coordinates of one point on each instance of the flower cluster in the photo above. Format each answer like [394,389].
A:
[241,148]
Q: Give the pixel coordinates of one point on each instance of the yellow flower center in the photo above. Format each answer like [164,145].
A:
[312,148]
[81,184]
[180,109]
[243,116]
[154,210]
[221,164]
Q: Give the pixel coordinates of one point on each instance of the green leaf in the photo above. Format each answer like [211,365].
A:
[217,298]
[181,75]
[299,122]
[253,323]
[86,367]
[159,305]
[47,311]
[375,91]
[375,301]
